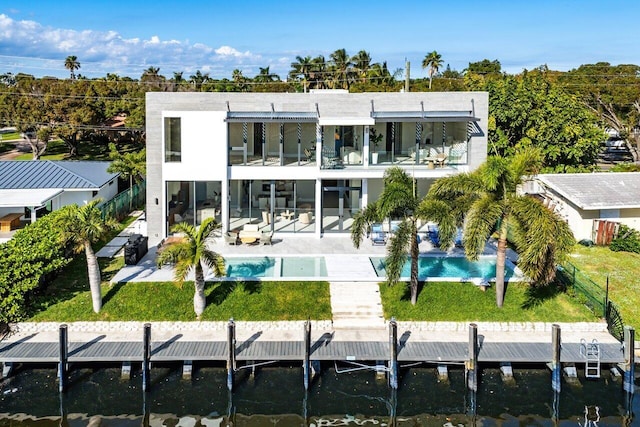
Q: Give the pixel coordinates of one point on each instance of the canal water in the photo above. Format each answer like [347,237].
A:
[275,396]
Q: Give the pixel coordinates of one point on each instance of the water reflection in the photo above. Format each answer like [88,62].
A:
[97,396]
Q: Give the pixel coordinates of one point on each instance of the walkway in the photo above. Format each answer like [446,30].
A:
[113,248]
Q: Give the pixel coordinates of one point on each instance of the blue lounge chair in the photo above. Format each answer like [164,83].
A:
[377,236]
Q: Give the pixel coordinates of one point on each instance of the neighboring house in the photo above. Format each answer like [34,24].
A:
[300,163]
[583,198]
[32,188]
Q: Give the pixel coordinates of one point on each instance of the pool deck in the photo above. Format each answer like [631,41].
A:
[344,262]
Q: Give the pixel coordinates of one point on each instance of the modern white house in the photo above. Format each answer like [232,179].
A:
[585,199]
[29,189]
[299,163]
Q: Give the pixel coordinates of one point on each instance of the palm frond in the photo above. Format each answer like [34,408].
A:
[362,221]
[398,251]
[480,222]
[215,262]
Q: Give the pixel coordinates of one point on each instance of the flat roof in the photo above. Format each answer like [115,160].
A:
[594,191]
[20,198]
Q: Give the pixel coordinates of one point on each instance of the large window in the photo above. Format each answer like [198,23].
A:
[172,139]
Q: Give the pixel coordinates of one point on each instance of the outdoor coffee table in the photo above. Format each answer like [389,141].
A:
[248,240]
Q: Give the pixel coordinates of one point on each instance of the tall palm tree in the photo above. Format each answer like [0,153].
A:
[301,69]
[198,79]
[192,253]
[362,64]
[72,64]
[486,201]
[84,226]
[266,76]
[239,79]
[318,72]
[433,61]
[341,67]
[398,200]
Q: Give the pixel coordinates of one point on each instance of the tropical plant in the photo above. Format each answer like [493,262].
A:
[198,79]
[432,61]
[341,67]
[266,76]
[487,201]
[192,253]
[131,166]
[72,64]
[362,64]
[82,227]
[301,69]
[397,201]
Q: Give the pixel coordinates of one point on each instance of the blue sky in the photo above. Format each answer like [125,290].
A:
[218,36]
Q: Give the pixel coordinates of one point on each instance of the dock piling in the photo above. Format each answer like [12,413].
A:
[629,360]
[472,364]
[125,373]
[556,369]
[187,369]
[306,366]
[231,355]
[393,347]
[146,357]
[63,342]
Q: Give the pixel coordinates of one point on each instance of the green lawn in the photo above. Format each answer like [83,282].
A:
[268,301]
[623,269]
[57,150]
[465,302]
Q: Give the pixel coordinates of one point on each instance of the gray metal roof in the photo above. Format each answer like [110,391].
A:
[54,174]
[271,116]
[591,191]
[424,116]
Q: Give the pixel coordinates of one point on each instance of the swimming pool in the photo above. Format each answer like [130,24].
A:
[270,267]
[448,267]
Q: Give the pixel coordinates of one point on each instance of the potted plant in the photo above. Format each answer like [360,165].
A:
[375,138]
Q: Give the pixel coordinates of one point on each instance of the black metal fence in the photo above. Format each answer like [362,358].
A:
[123,203]
[593,295]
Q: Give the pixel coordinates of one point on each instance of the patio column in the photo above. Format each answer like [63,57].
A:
[33,214]
[318,208]
[365,147]
[418,140]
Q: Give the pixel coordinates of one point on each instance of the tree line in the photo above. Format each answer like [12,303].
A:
[564,113]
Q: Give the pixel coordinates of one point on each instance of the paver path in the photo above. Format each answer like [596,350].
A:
[356,305]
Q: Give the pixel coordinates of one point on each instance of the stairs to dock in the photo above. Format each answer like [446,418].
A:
[356,305]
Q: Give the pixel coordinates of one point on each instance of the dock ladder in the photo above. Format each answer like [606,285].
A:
[591,351]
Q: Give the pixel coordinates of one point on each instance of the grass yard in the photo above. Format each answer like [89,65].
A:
[464,302]
[623,269]
[57,150]
[158,301]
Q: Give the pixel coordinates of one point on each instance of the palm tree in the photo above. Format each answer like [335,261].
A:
[239,79]
[362,64]
[301,69]
[198,79]
[433,61]
[341,67]
[71,63]
[266,76]
[486,201]
[131,166]
[84,226]
[397,201]
[192,253]
[318,72]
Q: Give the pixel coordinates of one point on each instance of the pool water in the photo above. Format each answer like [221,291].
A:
[448,267]
[269,267]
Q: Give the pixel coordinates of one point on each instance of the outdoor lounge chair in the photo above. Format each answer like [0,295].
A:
[309,154]
[378,236]
[265,238]
[231,238]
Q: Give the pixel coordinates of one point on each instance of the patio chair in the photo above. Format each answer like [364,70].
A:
[309,154]
[378,236]
[231,238]
[265,238]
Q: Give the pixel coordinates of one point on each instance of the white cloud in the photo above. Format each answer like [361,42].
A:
[28,46]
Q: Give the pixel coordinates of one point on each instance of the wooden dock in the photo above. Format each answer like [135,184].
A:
[326,347]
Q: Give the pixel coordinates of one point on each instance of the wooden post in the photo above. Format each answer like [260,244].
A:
[556,369]
[306,366]
[231,355]
[62,365]
[393,347]
[472,363]
[146,357]
[629,359]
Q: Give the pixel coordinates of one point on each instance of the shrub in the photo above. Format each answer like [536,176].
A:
[628,240]
[27,261]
